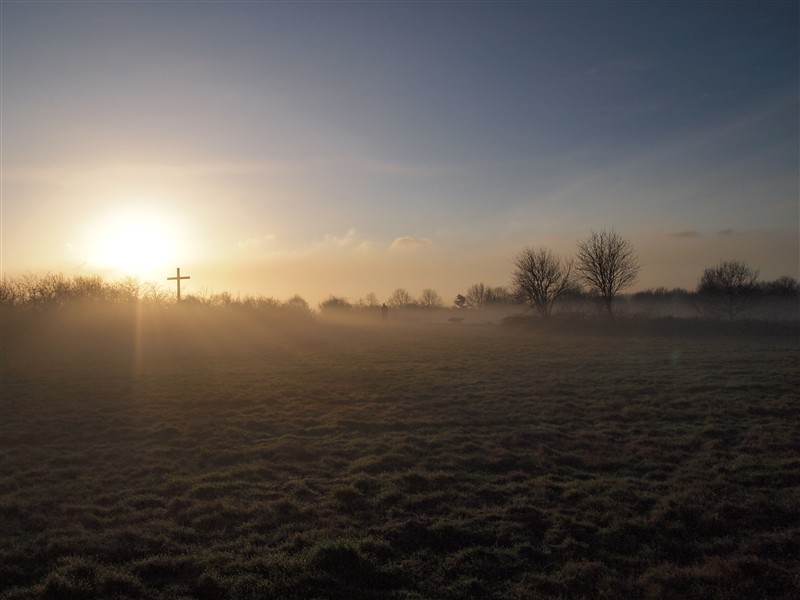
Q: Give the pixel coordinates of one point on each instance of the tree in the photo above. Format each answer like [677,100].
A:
[460,301]
[298,305]
[334,304]
[400,297]
[476,296]
[782,287]
[728,288]
[607,264]
[498,295]
[540,278]
[371,300]
[430,298]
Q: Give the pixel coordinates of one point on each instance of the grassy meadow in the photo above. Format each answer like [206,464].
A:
[179,452]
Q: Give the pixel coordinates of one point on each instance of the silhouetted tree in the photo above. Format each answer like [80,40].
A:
[476,296]
[607,264]
[334,303]
[540,278]
[9,292]
[498,295]
[400,297]
[727,289]
[368,301]
[430,298]
[460,301]
[782,287]
[125,290]
[153,293]
[89,288]
[224,299]
[259,303]
[662,302]
[298,304]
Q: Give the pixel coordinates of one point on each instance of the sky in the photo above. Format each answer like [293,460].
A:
[319,148]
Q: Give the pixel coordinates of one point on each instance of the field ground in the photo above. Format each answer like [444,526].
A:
[180,454]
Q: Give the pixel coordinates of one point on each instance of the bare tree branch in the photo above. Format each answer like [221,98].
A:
[730,287]
[607,264]
[540,277]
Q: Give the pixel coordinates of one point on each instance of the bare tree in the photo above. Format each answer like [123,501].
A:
[476,296]
[782,287]
[371,300]
[607,264]
[540,277]
[153,293]
[430,298]
[728,288]
[334,304]
[400,297]
[498,295]
[298,305]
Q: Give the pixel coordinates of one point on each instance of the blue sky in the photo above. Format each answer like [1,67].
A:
[344,148]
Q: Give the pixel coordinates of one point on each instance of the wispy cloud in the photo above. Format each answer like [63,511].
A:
[351,241]
[406,242]
[348,240]
[255,243]
[269,247]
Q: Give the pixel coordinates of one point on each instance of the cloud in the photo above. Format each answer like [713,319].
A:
[405,242]
[349,241]
[727,232]
[330,243]
[257,242]
[345,241]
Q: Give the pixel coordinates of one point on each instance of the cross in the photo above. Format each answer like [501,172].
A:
[178,279]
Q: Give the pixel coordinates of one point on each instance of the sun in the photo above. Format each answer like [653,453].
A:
[133,241]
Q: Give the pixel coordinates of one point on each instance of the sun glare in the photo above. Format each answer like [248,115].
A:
[133,242]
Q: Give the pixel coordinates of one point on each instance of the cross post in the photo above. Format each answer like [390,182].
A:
[178,279]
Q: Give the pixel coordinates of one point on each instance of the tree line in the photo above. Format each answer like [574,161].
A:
[604,265]
[54,289]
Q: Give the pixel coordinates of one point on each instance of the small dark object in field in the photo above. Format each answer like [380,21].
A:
[456,320]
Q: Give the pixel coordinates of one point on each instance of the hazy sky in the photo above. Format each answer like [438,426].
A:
[343,148]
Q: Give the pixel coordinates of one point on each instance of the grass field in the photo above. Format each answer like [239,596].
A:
[194,454]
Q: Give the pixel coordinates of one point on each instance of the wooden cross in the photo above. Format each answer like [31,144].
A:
[178,279]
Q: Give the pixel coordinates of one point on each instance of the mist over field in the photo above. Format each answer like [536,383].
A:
[399,300]
[200,452]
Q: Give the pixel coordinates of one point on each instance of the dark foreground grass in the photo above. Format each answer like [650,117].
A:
[181,454]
